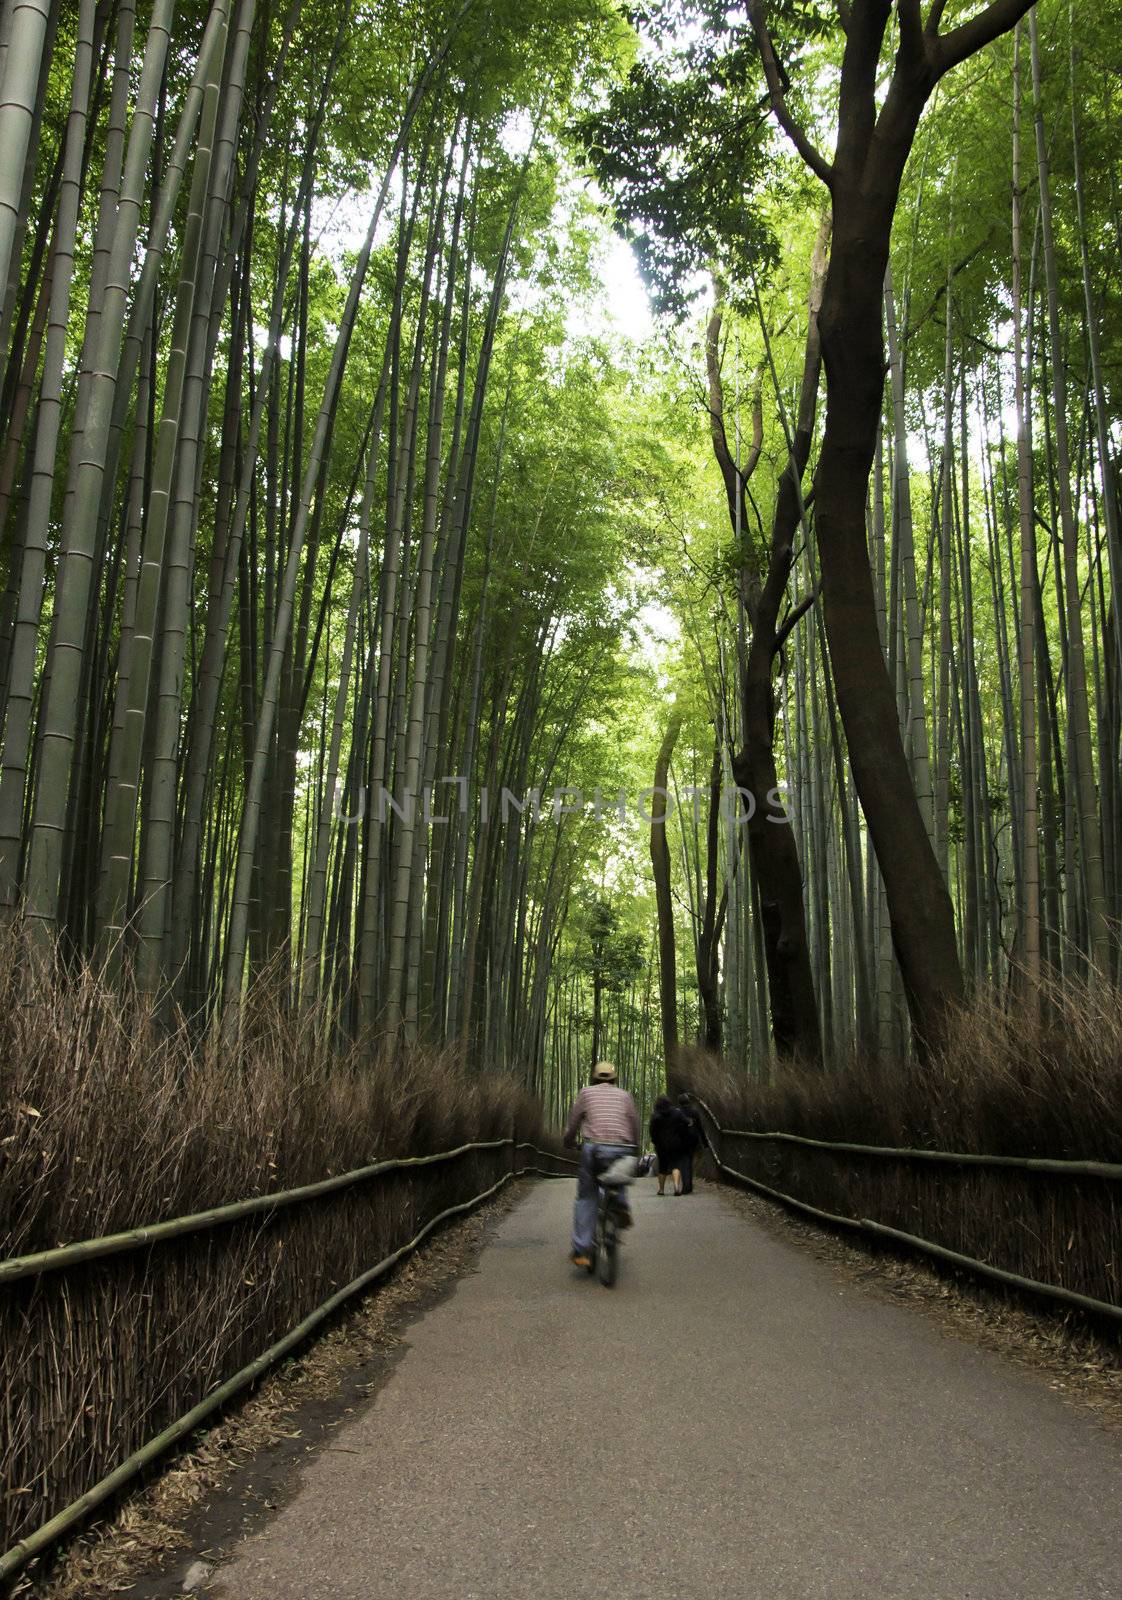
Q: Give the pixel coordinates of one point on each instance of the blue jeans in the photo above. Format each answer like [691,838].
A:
[593,1157]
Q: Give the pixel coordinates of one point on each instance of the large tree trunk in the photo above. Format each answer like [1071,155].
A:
[873,145]
[865,183]
[917,748]
[919,905]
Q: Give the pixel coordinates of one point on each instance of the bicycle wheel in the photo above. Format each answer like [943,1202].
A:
[606,1252]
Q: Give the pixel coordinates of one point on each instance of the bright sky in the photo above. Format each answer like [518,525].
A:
[621,309]
[659,633]
[624,308]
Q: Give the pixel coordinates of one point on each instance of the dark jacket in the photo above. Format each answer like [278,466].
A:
[671,1133]
[697,1135]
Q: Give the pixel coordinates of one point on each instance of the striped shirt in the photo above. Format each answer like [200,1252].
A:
[604,1114]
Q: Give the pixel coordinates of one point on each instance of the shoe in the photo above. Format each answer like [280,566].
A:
[579,1259]
[625,1220]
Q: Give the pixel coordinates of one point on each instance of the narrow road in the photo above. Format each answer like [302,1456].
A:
[732,1422]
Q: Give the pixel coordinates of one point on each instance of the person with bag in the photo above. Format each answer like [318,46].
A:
[670,1135]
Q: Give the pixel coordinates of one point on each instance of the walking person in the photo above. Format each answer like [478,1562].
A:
[607,1119]
[697,1140]
[670,1135]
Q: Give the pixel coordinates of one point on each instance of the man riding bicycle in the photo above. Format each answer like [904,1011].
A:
[608,1119]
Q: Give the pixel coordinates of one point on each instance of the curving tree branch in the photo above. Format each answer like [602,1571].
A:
[934,17]
[777,95]
[793,618]
[736,480]
[952,48]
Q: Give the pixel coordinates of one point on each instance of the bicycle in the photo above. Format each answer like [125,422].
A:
[603,1257]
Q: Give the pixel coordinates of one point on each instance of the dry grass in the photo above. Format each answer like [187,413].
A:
[1001,1087]
[171,1519]
[107,1121]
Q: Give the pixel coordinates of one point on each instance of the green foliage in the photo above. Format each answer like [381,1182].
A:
[611,955]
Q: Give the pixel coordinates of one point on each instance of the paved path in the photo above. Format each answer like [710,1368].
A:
[732,1422]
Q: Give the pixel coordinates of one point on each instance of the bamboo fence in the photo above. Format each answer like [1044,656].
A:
[32,1270]
[1041,1211]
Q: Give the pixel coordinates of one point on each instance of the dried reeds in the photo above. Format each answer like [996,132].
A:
[1004,1085]
[109,1121]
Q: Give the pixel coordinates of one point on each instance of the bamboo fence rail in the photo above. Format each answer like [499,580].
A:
[984,1269]
[111,1244]
[958,1158]
[70,1517]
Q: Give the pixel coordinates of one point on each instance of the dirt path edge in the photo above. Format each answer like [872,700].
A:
[166,1536]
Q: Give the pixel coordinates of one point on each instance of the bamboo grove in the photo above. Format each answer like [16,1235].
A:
[337,531]
[283,550]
